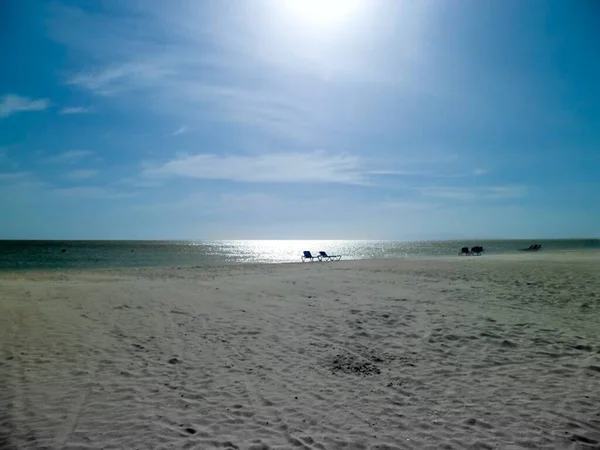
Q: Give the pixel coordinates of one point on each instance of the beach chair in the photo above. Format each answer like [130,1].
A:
[326,257]
[477,250]
[464,251]
[532,248]
[307,256]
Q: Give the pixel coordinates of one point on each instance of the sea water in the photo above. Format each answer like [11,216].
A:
[34,255]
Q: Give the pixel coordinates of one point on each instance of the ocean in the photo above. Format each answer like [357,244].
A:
[45,255]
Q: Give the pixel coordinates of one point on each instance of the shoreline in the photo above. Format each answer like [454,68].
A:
[542,255]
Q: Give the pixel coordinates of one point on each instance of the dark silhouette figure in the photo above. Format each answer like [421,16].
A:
[477,250]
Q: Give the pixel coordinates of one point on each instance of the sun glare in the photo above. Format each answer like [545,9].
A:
[321,12]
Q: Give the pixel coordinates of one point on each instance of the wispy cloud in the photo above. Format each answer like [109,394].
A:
[181,80]
[266,168]
[176,89]
[13,181]
[121,77]
[405,205]
[248,106]
[180,130]
[475,193]
[252,205]
[93,192]
[430,171]
[76,110]
[12,176]
[12,104]
[82,174]
[138,182]
[480,171]
[211,203]
[68,157]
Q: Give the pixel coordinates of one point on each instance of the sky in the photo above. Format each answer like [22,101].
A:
[291,119]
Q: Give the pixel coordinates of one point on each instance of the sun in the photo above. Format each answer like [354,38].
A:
[321,12]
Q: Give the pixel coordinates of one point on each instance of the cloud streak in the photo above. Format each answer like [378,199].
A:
[13,176]
[13,181]
[11,104]
[177,89]
[75,110]
[266,168]
[68,157]
[117,78]
[82,174]
[475,193]
[181,130]
[179,79]
[92,192]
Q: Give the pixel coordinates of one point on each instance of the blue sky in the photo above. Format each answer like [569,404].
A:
[383,119]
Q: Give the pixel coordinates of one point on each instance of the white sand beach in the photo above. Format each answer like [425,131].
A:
[474,352]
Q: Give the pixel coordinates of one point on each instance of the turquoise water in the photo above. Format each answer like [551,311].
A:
[28,255]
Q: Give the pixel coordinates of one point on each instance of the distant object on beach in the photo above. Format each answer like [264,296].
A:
[532,248]
[64,250]
[476,251]
[323,256]
[307,256]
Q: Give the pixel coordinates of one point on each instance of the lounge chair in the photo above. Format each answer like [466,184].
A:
[326,257]
[307,256]
[465,251]
[532,248]
[477,250]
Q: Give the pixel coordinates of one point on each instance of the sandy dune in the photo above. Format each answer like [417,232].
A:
[479,353]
